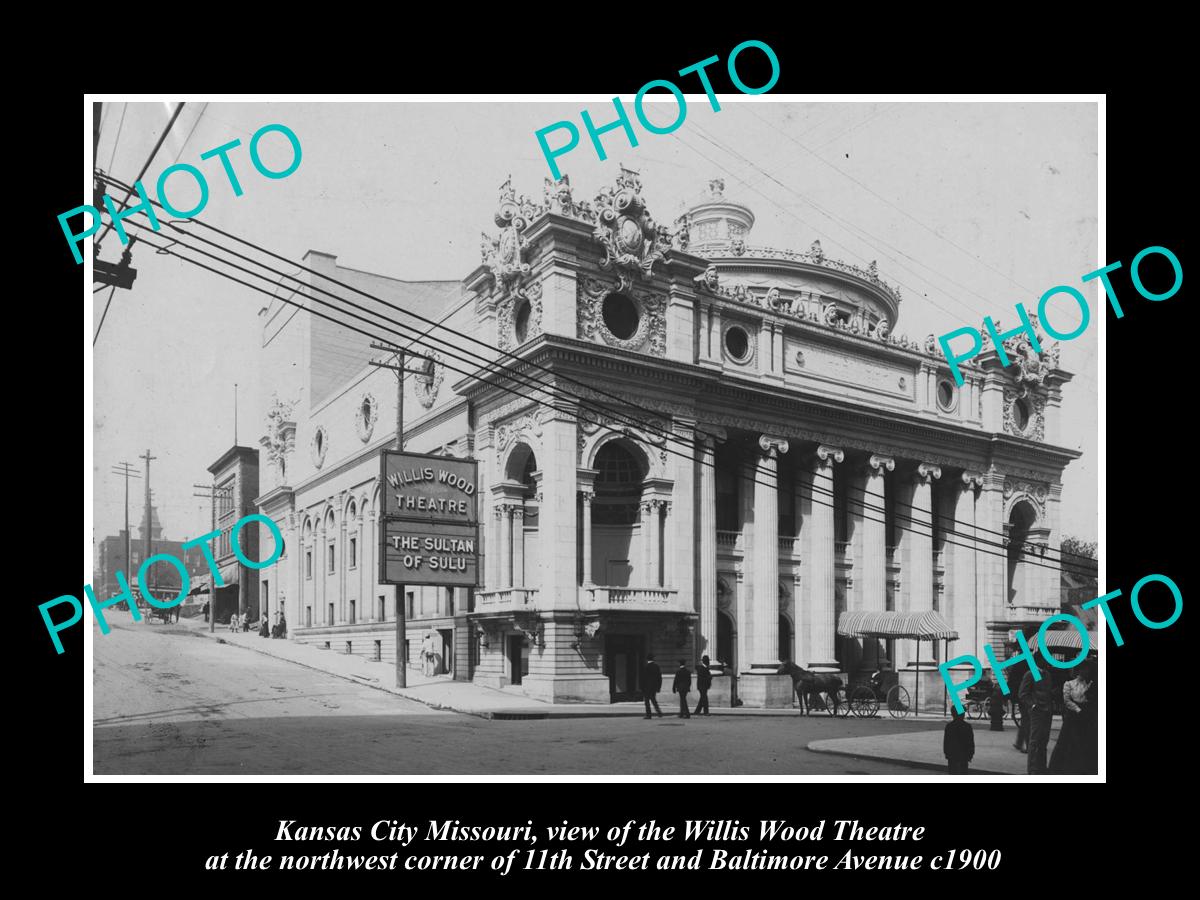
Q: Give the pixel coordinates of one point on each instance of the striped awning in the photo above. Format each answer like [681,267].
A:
[1065,639]
[925,626]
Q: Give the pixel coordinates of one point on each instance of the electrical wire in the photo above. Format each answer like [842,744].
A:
[879,196]
[643,425]
[169,250]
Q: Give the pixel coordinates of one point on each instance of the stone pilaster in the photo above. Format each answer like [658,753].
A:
[871,570]
[586,497]
[966,613]
[506,544]
[764,642]
[918,572]
[518,545]
[707,460]
[822,600]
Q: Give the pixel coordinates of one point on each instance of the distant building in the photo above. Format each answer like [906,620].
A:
[163,577]
[235,485]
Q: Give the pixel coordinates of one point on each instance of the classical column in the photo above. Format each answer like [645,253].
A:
[874,551]
[587,497]
[920,558]
[648,513]
[492,551]
[506,544]
[967,614]
[708,543]
[764,638]
[656,526]
[822,600]
[518,545]
[668,544]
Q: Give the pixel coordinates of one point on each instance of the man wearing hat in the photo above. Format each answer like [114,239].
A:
[703,683]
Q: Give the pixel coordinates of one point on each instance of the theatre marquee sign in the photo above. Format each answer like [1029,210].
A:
[430,532]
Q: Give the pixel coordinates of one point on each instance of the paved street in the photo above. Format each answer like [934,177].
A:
[171,701]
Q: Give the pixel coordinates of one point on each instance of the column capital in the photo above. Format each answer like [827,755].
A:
[710,435]
[830,455]
[877,464]
[587,496]
[927,473]
[972,481]
[518,512]
[772,446]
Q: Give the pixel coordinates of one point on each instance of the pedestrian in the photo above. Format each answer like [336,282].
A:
[205,610]
[703,683]
[1039,695]
[264,629]
[681,686]
[996,707]
[651,684]
[958,744]
[1068,749]
[1019,704]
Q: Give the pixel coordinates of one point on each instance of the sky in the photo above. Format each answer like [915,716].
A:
[969,208]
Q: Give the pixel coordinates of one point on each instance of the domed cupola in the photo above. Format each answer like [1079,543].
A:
[716,219]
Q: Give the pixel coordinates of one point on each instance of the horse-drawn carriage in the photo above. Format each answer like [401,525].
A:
[150,613]
[816,690]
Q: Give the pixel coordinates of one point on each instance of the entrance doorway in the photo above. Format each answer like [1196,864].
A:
[518,658]
[725,640]
[446,651]
[623,657]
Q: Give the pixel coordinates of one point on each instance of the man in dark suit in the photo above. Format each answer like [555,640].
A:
[1040,697]
[958,743]
[681,686]
[703,683]
[651,684]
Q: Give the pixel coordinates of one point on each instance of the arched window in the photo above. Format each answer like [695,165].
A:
[618,485]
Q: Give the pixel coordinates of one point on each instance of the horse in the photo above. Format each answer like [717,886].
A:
[810,685]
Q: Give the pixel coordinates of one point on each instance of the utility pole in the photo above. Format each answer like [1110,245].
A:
[126,469]
[401,626]
[147,457]
[210,491]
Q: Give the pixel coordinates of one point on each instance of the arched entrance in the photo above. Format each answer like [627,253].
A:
[616,515]
[1021,583]
[519,560]
[785,638]
[725,639]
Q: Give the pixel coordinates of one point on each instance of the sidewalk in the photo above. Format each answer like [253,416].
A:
[442,692]
[994,753]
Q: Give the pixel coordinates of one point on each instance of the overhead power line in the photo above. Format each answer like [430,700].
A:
[553,393]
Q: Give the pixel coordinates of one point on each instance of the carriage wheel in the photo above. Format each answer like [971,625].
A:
[898,702]
[974,709]
[864,703]
[842,704]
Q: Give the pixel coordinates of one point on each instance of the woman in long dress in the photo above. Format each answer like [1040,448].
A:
[1078,715]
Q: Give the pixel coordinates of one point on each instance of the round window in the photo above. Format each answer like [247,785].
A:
[620,316]
[1021,413]
[945,394]
[737,343]
[521,322]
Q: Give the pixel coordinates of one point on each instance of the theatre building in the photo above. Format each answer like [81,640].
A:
[687,444]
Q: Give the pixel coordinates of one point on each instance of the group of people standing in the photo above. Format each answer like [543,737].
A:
[682,685]
[1075,752]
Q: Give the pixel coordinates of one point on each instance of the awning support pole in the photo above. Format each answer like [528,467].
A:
[918,703]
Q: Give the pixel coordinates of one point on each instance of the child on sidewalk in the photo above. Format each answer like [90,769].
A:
[958,744]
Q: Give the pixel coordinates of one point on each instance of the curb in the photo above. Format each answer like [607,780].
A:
[898,761]
[515,714]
